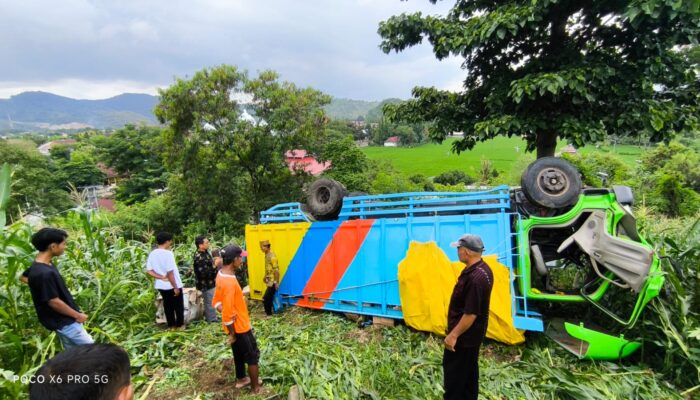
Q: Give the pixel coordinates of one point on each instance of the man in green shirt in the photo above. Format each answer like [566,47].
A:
[272,275]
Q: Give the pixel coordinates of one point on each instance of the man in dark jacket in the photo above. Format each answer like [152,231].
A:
[205,275]
[467,320]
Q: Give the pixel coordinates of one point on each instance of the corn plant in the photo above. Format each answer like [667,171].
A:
[673,329]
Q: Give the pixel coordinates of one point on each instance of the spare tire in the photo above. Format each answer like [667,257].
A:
[325,198]
[551,182]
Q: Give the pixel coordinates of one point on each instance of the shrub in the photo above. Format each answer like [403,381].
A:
[592,164]
[454,177]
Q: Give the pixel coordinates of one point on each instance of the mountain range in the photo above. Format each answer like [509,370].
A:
[46,111]
[41,111]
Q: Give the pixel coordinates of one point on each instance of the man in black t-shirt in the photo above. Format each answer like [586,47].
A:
[467,320]
[53,303]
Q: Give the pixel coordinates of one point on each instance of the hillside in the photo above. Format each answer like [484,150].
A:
[46,111]
[41,111]
[349,109]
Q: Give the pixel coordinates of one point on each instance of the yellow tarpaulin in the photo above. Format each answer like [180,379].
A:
[426,279]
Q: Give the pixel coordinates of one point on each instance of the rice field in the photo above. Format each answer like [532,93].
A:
[432,159]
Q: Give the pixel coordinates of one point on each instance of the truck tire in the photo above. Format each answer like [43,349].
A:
[551,182]
[325,198]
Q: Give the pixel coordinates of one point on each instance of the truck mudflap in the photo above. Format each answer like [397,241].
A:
[587,341]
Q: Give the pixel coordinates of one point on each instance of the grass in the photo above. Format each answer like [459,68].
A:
[326,356]
[629,154]
[322,354]
[431,159]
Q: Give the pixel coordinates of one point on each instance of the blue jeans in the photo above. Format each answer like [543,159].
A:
[209,311]
[73,335]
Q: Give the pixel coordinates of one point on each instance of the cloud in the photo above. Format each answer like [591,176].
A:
[102,47]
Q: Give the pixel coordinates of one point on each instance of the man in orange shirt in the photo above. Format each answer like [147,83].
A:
[228,299]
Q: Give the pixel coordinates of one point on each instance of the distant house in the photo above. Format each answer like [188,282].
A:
[359,122]
[392,142]
[569,149]
[45,148]
[111,176]
[301,160]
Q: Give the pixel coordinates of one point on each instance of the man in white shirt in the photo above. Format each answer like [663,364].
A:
[162,266]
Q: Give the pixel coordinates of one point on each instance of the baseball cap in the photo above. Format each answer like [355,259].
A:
[471,242]
[233,251]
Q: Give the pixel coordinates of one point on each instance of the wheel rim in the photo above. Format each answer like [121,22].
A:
[323,195]
[553,182]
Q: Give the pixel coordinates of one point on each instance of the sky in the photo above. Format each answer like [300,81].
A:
[98,49]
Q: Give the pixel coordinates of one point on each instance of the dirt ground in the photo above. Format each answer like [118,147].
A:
[215,381]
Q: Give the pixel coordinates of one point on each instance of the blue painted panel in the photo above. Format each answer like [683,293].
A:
[304,262]
[371,279]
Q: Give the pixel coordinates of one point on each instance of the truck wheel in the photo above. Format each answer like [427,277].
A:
[551,182]
[325,198]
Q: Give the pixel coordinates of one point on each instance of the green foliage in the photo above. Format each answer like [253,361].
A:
[432,159]
[512,175]
[339,129]
[487,172]
[384,178]
[225,162]
[141,220]
[328,357]
[672,332]
[423,182]
[105,274]
[5,183]
[136,153]
[543,69]
[348,164]
[34,187]
[590,165]
[672,198]
[61,152]
[409,135]
[80,170]
[454,177]
[669,179]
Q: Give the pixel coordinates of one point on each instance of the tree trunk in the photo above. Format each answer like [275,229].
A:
[546,144]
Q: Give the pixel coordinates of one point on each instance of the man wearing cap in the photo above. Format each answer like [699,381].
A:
[229,301]
[272,275]
[467,319]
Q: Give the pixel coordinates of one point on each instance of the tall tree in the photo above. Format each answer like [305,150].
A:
[543,69]
[34,187]
[348,163]
[225,125]
[136,153]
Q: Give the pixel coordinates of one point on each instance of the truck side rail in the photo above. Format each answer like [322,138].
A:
[425,203]
[285,212]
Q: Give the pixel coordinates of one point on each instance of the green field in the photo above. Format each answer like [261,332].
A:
[432,159]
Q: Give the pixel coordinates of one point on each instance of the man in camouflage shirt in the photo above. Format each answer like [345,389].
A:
[205,275]
[272,276]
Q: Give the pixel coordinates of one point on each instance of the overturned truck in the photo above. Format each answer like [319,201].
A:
[548,241]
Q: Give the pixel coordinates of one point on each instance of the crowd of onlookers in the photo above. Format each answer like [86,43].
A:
[86,370]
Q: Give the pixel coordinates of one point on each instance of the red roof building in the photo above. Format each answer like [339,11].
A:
[301,160]
[392,141]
